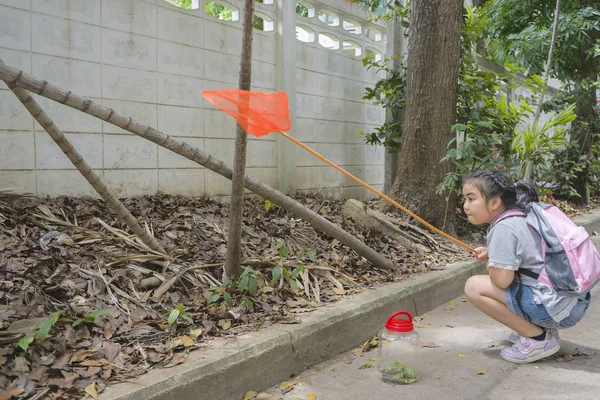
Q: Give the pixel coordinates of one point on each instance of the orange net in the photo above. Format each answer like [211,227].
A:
[258,113]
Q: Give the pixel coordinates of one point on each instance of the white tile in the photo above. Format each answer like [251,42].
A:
[124,151]
[261,154]
[170,159]
[15,29]
[13,115]
[179,27]
[80,10]
[56,183]
[17,150]
[144,113]
[24,4]
[187,182]
[81,77]
[67,119]
[181,121]
[128,84]
[20,60]
[65,38]
[129,15]
[131,183]
[219,124]
[180,90]
[128,50]
[221,67]
[180,59]
[50,156]
[21,181]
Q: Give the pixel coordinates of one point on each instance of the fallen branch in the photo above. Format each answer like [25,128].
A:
[13,76]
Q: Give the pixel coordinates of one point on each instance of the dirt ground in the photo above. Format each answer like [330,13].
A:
[83,304]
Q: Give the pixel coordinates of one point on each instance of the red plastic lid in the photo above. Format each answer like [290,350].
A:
[400,324]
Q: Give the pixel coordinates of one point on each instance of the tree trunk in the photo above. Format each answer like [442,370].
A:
[14,76]
[432,83]
[234,234]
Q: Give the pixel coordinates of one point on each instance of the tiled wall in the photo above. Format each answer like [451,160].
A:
[151,60]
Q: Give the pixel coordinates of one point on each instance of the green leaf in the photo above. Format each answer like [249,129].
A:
[187,318]
[267,205]
[227,298]
[253,286]
[173,316]
[311,256]
[76,323]
[243,283]
[277,273]
[214,297]
[98,313]
[25,341]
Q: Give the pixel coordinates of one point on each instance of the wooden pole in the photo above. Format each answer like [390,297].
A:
[13,76]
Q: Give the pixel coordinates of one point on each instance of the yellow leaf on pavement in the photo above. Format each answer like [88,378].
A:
[250,395]
[91,390]
[286,385]
[462,356]
[427,325]
[452,302]
[536,367]
[365,366]
[482,372]
[311,396]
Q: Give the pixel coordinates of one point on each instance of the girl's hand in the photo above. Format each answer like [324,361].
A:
[481,253]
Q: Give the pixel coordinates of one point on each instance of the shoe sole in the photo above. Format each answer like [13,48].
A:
[532,359]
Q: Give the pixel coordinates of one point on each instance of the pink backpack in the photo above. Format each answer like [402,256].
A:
[572,262]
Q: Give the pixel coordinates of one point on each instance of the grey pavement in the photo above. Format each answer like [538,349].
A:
[467,341]
[316,353]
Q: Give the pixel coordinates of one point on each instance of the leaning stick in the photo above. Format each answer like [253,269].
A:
[79,162]
[13,76]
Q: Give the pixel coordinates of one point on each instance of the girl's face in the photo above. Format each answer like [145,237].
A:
[478,209]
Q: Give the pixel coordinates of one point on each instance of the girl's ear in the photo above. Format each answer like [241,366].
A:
[496,203]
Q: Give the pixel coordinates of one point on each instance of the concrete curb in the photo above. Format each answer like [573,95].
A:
[259,360]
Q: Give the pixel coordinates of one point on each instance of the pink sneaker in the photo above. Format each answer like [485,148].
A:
[515,336]
[527,350]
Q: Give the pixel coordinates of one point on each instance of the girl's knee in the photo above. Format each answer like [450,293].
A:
[473,287]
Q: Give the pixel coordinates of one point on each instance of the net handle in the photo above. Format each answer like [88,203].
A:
[377,192]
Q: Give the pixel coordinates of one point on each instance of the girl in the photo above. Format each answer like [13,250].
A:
[532,309]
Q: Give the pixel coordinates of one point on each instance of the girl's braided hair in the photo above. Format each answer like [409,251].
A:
[494,183]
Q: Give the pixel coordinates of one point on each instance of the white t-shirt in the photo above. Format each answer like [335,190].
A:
[513,244]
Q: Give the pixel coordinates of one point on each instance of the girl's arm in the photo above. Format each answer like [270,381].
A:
[501,278]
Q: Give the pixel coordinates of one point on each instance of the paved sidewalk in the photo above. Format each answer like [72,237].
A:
[227,369]
[457,327]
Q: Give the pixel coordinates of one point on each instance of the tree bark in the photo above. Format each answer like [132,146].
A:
[14,76]
[234,234]
[79,162]
[431,94]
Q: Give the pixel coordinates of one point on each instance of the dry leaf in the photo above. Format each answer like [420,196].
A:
[339,291]
[536,367]
[91,363]
[2,360]
[91,371]
[8,394]
[195,333]
[462,356]
[286,385]
[250,395]
[417,319]
[452,302]
[482,371]
[365,366]
[91,390]
[426,325]
[311,396]
[450,326]
[111,350]
[82,355]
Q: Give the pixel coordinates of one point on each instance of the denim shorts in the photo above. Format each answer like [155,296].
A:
[520,300]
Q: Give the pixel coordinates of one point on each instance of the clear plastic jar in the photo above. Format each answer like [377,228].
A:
[399,349]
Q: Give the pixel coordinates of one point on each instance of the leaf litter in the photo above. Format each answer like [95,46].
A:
[91,303]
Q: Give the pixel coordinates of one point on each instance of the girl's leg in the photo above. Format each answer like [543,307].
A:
[490,299]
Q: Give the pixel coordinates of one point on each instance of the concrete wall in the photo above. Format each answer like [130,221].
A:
[151,60]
